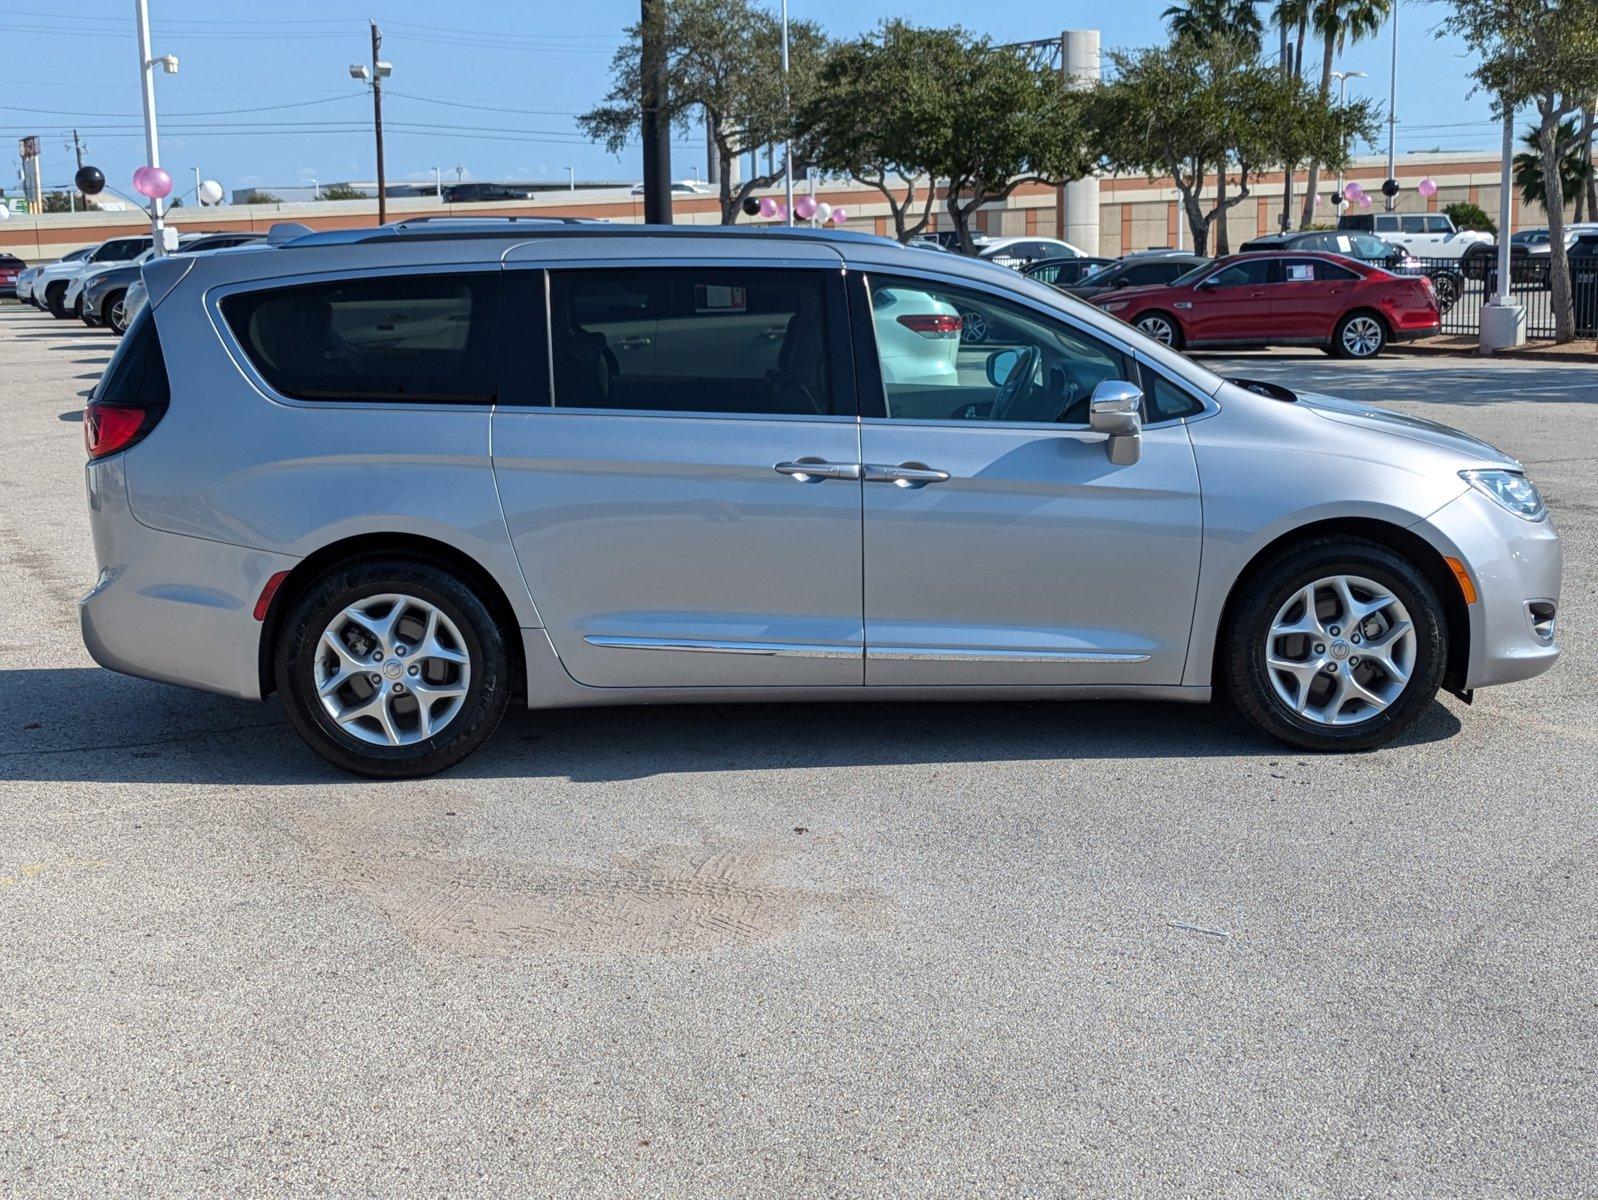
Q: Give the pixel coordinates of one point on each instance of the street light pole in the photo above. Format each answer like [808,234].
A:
[654,118]
[787,146]
[438,184]
[1342,78]
[377,119]
[152,150]
[1392,103]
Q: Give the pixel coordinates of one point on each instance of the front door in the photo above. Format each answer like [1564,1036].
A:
[1232,304]
[1001,544]
[687,510]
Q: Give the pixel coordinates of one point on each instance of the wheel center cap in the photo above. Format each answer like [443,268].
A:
[393,669]
[1339,649]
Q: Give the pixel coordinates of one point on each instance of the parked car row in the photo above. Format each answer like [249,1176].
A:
[96,283]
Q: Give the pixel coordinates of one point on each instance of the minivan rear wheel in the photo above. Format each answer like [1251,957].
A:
[392,668]
[1337,644]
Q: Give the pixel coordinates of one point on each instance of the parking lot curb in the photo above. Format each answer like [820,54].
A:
[1575,352]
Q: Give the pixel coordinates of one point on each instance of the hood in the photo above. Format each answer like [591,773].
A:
[1418,429]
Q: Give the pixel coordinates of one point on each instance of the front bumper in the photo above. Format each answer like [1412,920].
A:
[1514,565]
[170,607]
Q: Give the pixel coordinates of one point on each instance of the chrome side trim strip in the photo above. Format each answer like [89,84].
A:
[706,646]
[934,654]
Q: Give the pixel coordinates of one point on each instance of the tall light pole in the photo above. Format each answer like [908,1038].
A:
[152,149]
[1392,103]
[787,146]
[1342,78]
[374,77]
[438,184]
[571,179]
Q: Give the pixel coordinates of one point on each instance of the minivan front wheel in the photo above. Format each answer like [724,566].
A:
[392,668]
[1335,645]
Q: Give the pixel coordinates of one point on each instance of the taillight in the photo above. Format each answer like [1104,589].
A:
[933,325]
[108,428]
[132,395]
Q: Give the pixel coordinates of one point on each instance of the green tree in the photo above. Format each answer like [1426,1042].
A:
[1202,21]
[1466,215]
[1006,125]
[1197,112]
[1338,22]
[724,60]
[1541,54]
[256,196]
[1573,168]
[878,112]
[342,191]
[60,202]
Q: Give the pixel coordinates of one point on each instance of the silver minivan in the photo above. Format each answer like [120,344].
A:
[401,475]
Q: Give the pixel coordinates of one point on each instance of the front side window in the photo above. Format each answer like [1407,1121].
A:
[948,353]
[1414,224]
[419,339]
[1247,273]
[1439,225]
[707,340]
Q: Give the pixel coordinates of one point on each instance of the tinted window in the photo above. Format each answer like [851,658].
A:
[1360,221]
[691,340]
[1414,224]
[1438,225]
[953,354]
[1313,270]
[121,249]
[1150,273]
[136,374]
[421,339]
[1371,247]
[1242,274]
[1164,401]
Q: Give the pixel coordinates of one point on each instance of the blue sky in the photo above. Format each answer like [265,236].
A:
[264,96]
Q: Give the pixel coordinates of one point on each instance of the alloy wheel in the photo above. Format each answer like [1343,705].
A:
[1340,650]
[1362,337]
[119,317]
[973,327]
[1159,329]
[392,670]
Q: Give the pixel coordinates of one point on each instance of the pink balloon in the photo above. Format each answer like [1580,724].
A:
[768,207]
[805,207]
[1364,200]
[1353,191]
[1428,187]
[840,215]
[138,179]
[782,212]
[152,182]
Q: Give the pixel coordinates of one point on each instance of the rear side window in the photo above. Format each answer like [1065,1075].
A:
[691,340]
[413,339]
[1357,221]
[1314,270]
[136,375]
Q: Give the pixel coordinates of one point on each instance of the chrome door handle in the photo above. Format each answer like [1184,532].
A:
[905,475]
[814,470]
[633,343]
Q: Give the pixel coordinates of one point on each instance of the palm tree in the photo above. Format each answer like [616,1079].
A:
[1573,168]
[1203,20]
[1339,22]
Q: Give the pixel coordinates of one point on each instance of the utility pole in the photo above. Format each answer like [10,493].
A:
[787,146]
[152,150]
[377,119]
[77,152]
[656,118]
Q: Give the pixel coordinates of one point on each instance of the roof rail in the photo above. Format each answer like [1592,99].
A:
[531,227]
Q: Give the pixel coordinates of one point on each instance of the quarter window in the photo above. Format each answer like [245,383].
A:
[952,354]
[1248,272]
[419,339]
[690,340]
[1314,270]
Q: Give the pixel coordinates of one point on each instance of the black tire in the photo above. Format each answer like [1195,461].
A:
[1246,679]
[1448,285]
[1478,262]
[1368,320]
[488,688]
[110,313]
[55,300]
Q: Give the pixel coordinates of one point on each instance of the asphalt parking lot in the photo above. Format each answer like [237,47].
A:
[930,950]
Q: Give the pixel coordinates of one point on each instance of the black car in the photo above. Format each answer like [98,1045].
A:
[1061,272]
[469,193]
[1447,281]
[1146,268]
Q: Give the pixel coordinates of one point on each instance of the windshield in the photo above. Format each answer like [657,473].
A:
[1092,274]
[1190,277]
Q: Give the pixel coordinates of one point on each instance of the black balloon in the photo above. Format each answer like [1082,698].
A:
[1390,188]
[751,207]
[90,180]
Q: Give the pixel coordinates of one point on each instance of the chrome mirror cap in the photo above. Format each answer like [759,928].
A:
[1116,409]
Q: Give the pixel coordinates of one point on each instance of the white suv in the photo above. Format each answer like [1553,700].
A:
[1424,235]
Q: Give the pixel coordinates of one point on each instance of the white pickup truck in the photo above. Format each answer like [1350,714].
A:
[1424,235]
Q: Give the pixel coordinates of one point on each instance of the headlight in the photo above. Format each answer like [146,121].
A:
[1509,489]
[1114,305]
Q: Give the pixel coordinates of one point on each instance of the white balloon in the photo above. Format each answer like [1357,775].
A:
[210,192]
[823,212]
[5,212]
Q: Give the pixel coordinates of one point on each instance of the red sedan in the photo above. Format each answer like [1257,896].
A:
[1348,308]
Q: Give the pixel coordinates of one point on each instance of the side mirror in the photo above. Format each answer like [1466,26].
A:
[1116,409]
[1000,364]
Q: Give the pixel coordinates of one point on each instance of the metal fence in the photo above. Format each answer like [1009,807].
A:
[1464,285]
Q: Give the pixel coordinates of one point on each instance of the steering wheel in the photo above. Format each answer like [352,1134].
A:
[1015,384]
[1074,396]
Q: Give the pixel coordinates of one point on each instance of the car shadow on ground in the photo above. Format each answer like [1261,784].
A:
[89,725]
